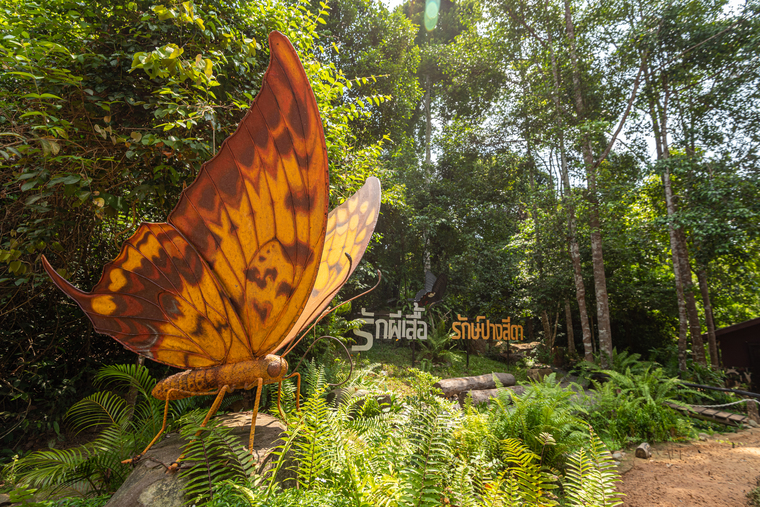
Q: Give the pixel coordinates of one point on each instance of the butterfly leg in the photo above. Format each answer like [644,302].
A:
[255,413]
[160,432]
[279,406]
[217,402]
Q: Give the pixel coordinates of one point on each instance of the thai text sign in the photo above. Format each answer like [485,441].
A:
[395,327]
[485,330]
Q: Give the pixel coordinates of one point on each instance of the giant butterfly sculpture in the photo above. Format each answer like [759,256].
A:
[247,259]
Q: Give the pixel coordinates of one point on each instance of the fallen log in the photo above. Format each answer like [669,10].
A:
[485,395]
[454,386]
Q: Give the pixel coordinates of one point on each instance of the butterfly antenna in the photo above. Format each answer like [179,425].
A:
[348,354]
[330,310]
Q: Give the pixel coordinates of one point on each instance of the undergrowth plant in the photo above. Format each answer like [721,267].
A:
[544,409]
[216,455]
[414,456]
[95,468]
[620,362]
[591,476]
[122,430]
[438,348]
[630,408]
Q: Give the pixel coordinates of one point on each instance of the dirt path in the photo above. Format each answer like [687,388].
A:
[716,472]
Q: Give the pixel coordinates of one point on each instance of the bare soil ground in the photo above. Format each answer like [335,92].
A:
[716,472]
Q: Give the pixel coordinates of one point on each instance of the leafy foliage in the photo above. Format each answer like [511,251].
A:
[406,457]
[630,408]
[124,419]
[216,456]
[95,468]
[590,479]
[437,348]
[546,409]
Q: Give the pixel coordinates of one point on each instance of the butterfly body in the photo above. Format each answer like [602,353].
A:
[243,375]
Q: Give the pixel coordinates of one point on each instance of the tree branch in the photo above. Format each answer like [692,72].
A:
[625,115]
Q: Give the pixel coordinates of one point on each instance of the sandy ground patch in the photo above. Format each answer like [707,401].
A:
[716,472]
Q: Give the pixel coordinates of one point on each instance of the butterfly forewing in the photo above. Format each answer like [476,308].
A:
[226,278]
[257,211]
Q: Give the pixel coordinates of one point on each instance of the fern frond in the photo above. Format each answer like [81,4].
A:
[310,450]
[591,476]
[532,484]
[53,467]
[426,468]
[131,375]
[216,457]
[98,409]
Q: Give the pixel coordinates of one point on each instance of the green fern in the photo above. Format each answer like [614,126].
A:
[124,429]
[310,450]
[545,408]
[591,476]
[216,454]
[631,407]
[426,469]
[529,483]
[95,468]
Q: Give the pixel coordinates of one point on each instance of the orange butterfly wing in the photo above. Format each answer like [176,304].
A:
[159,299]
[349,229]
[252,228]
[257,211]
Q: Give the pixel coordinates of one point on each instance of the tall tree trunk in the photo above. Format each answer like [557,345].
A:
[705,290]
[549,335]
[426,169]
[575,252]
[661,145]
[697,344]
[683,325]
[597,255]
[681,266]
[428,123]
[569,325]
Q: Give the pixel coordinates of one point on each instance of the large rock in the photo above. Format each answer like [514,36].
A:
[150,485]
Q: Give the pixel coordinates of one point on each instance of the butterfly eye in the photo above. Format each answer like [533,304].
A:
[274,369]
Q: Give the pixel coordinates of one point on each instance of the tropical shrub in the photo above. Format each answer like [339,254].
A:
[630,408]
[544,409]
[123,430]
[125,418]
[439,344]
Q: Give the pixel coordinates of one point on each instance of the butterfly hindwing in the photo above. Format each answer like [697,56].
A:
[349,229]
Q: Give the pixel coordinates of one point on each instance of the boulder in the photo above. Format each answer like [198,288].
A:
[150,485]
